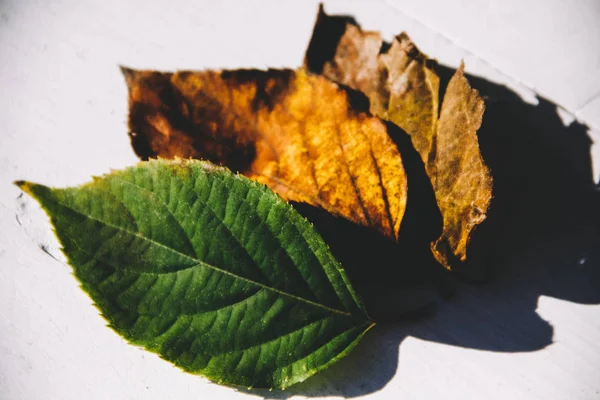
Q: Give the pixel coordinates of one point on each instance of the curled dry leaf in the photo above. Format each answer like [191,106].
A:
[293,131]
[403,87]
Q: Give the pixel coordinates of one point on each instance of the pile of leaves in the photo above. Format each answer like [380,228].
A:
[281,212]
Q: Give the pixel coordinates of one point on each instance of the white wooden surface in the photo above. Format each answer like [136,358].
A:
[62,119]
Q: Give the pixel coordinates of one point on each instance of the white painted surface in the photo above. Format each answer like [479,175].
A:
[63,113]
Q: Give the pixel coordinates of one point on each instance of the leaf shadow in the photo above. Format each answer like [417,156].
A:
[542,233]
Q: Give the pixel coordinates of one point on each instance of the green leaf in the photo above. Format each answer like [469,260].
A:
[210,270]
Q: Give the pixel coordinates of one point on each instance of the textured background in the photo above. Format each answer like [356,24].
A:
[62,119]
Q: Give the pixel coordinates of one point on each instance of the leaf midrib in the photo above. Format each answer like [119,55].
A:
[202,263]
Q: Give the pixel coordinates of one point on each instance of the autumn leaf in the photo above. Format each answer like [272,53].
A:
[403,87]
[298,133]
[208,269]
[463,184]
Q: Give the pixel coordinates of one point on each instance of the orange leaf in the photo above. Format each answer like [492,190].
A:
[293,131]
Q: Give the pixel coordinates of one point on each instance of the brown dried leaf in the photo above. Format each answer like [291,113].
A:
[295,132]
[403,87]
[462,181]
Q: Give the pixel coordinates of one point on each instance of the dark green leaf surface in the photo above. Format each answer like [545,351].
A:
[208,269]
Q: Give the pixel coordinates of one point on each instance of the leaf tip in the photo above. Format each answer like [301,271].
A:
[128,73]
[24,186]
[321,8]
